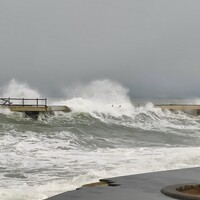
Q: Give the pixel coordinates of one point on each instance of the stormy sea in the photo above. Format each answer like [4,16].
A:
[107,134]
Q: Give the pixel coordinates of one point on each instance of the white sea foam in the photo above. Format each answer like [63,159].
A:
[109,102]
[5,111]
[113,162]
[99,96]
[57,154]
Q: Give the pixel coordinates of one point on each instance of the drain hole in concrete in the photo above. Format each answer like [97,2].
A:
[189,191]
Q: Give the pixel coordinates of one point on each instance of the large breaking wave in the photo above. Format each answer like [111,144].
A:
[107,134]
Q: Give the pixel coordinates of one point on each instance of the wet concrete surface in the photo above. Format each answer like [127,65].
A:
[134,187]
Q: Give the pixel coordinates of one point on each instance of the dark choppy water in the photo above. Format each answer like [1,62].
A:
[105,135]
[63,151]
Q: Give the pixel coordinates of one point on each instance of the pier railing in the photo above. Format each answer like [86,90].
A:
[38,102]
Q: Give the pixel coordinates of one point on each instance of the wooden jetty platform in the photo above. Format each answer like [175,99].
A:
[30,107]
[187,108]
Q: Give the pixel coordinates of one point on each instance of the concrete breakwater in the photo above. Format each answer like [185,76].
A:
[187,108]
[32,107]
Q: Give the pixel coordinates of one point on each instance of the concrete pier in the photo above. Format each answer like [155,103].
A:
[31,107]
[190,109]
[38,109]
[149,186]
[34,111]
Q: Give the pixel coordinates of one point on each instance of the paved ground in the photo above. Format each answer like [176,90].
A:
[135,187]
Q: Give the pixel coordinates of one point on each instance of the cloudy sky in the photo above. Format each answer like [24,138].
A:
[151,47]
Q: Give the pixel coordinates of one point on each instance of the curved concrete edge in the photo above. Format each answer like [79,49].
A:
[146,186]
[96,184]
[102,182]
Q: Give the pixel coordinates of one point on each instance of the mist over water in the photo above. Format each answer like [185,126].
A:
[18,89]
[107,134]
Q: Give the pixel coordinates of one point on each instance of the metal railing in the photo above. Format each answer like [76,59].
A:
[38,102]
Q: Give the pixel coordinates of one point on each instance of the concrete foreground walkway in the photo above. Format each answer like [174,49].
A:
[134,187]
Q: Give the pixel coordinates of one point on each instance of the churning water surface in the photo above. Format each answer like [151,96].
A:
[105,135]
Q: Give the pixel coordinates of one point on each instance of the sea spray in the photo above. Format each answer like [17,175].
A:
[105,135]
[103,96]
[18,89]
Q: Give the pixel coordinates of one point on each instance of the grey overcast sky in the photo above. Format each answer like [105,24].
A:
[151,47]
